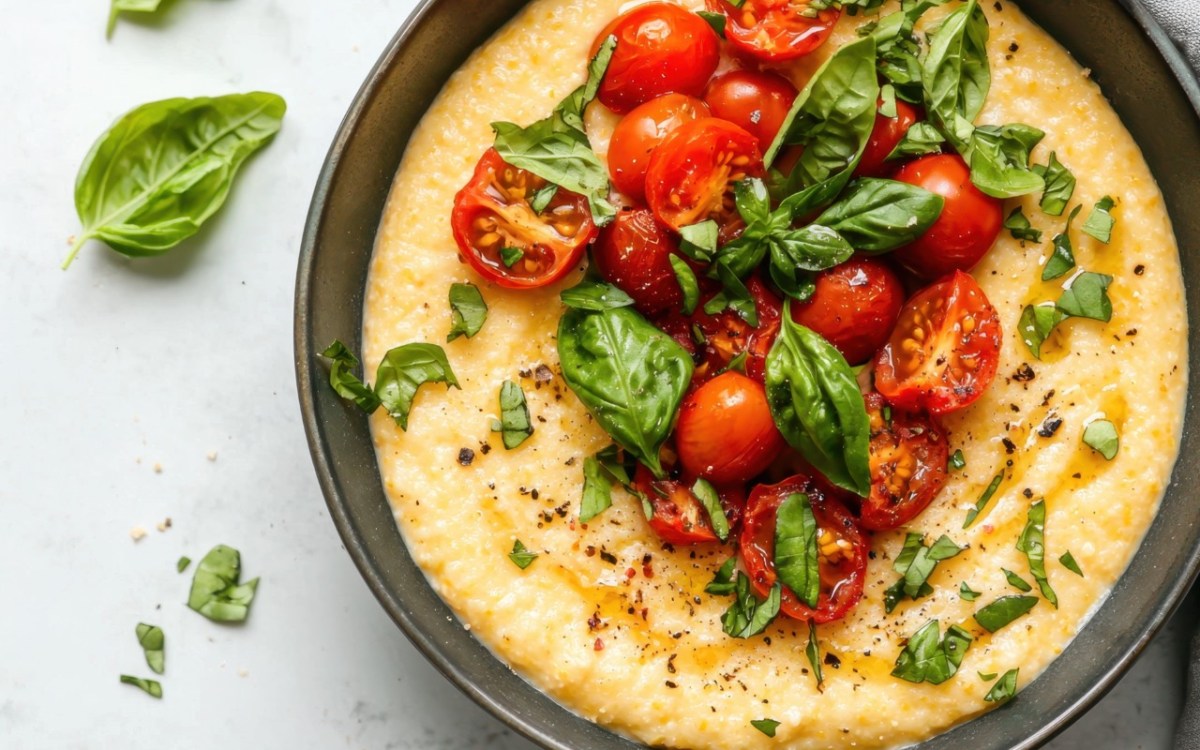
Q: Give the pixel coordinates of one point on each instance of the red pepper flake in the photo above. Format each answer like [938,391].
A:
[630,572]
[599,645]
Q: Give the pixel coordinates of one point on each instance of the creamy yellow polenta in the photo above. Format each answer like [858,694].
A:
[618,629]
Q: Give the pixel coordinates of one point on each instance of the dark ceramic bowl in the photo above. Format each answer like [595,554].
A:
[1157,98]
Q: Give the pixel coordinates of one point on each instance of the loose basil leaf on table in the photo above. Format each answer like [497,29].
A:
[595,295]
[1087,297]
[796,548]
[128,6]
[1060,186]
[921,138]
[160,172]
[999,159]
[1033,543]
[1019,227]
[748,616]
[153,641]
[152,688]
[817,405]
[182,564]
[877,215]
[514,424]
[1003,611]
[927,657]
[956,75]
[216,591]
[468,311]
[406,368]
[630,375]
[1062,258]
[1100,222]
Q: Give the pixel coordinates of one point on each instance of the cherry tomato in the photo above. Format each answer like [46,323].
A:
[691,175]
[888,132]
[775,30]
[855,307]
[679,517]
[969,224]
[725,432]
[909,452]
[633,252]
[661,49]
[726,334]
[944,350]
[493,213]
[841,555]
[757,102]
[640,132]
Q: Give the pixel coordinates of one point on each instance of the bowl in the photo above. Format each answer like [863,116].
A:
[1156,96]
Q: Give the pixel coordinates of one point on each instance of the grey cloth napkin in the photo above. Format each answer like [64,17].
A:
[1181,20]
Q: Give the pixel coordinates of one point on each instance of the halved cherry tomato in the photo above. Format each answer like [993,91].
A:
[944,351]
[855,307]
[888,132]
[493,213]
[841,550]
[679,517]
[757,102]
[909,452]
[969,224]
[661,49]
[725,431]
[726,334]
[775,30]
[691,175]
[633,252]
[640,132]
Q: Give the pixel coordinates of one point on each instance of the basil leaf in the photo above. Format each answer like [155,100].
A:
[898,49]
[987,677]
[1019,227]
[1016,581]
[1033,543]
[752,201]
[944,549]
[1087,297]
[1004,689]
[722,582]
[128,6]
[468,311]
[1101,436]
[152,641]
[515,426]
[921,138]
[966,593]
[999,159]
[542,197]
[813,652]
[164,168]
[344,382]
[796,548]
[699,241]
[815,401]
[737,364]
[1060,186]
[973,513]
[957,461]
[715,20]
[735,296]
[1100,222]
[597,490]
[688,284]
[798,252]
[406,368]
[595,295]
[571,109]
[182,564]
[630,375]
[150,687]
[1035,325]
[878,215]
[216,592]
[928,658]
[956,75]
[747,616]
[1003,611]
[560,155]
[915,563]
[1062,259]
[510,256]
[1068,562]
[708,497]
[766,726]
[887,101]
[520,556]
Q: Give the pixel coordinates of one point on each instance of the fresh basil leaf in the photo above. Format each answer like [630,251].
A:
[813,652]
[1033,543]
[152,688]
[915,563]
[1003,611]
[344,382]
[973,513]
[1062,259]
[699,241]
[542,197]
[1019,227]
[1068,562]
[797,253]
[1060,186]
[734,296]
[152,641]
[796,548]
[929,658]
[966,593]
[182,564]
[560,155]
[510,256]
[887,101]
[630,375]
[595,295]
[1101,436]
[737,364]
[722,582]
[815,401]
[160,172]
[708,497]
[1035,325]
[753,203]
[1100,222]
[987,677]
[921,138]
[515,425]
[1087,297]
[715,20]
[216,592]
[688,284]
[944,549]
[406,368]
[597,490]
[957,462]
[468,311]
[876,215]
[747,616]
[520,556]
[899,50]
[766,726]
[956,75]
[1016,581]
[568,114]
[999,159]
[128,6]
[1004,689]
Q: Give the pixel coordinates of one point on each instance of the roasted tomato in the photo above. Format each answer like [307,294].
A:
[944,350]
[726,334]
[775,30]
[661,49]
[493,219]
[909,452]
[841,550]
[633,252]
[886,134]
[679,517]
[969,224]
[755,101]
[855,307]
[725,432]
[640,132]
[691,175]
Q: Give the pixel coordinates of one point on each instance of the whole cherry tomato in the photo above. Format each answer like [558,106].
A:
[855,306]
[775,30]
[755,101]
[887,133]
[909,452]
[725,432]
[640,132]
[633,252]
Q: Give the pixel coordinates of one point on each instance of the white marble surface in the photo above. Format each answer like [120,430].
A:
[122,378]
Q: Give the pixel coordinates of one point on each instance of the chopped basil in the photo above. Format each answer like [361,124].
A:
[921,138]
[735,296]
[898,48]
[966,593]
[887,101]
[1100,222]
[510,256]
[150,687]
[928,658]
[766,726]
[957,461]
[699,241]
[597,490]
[542,197]
[406,368]
[1016,581]
[955,73]
[521,556]
[216,592]
[1019,227]
[715,20]
[1062,258]
[514,424]
[468,311]
[1060,185]
[1101,436]
[737,364]
[1036,323]
[183,564]
[999,158]
[1004,610]
[987,677]
[722,582]
[595,295]
[747,616]
[813,652]
[796,548]
[344,382]
[1068,561]
[1033,543]
[973,513]
[1004,689]
[877,215]
[915,563]
[1087,297]
[687,283]
[152,641]
[708,497]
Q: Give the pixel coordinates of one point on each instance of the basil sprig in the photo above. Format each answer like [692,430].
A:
[927,657]
[1004,610]
[956,74]
[468,311]
[796,548]
[915,564]
[216,591]
[876,215]
[153,643]
[816,403]
[514,424]
[1033,543]
[630,375]
[748,616]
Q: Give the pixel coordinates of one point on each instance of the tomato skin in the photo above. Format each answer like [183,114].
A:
[679,517]
[726,334]
[496,202]
[725,431]
[855,306]
[640,132]
[888,132]
[909,443]
[841,580]
[661,49]
[757,102]
[774,30]
[969,223]
[633,252]
[952,361]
